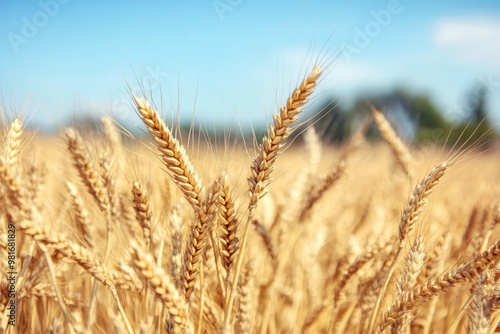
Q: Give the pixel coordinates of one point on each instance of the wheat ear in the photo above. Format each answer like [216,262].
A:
[8,171]
[313,145]
[320,188]
[419,199]
[467,272]
[244,317]
[399,149]
[108,177]
[143,212]
[199,236]
[114,140]
[410,215]
[82,216]
[176,234]
[35,182]
[228,225]
[162,286]
[263,164]
[12,143]
[98,187]
[172,154]
[86,169]
[495,220]
[358,263]
[80,255]
[408,279]
[481,308]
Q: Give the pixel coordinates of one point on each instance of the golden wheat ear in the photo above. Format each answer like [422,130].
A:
[263,164]
[12,145]
[200,233]
[143,212]
[398,148]
[172,153]
[80,255]
[467,272]
[409,218]
[414,263]
[162,286]
[84,224]
[228,223]
[86,168]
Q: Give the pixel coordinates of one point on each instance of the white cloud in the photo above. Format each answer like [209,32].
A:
[474,40]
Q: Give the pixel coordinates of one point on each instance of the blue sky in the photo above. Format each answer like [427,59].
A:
[232,60]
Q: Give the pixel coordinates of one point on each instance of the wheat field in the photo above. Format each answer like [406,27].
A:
[105,233]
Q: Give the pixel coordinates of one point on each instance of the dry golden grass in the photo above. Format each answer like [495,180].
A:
[111,236]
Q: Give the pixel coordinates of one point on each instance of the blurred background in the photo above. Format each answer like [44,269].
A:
[429,65]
